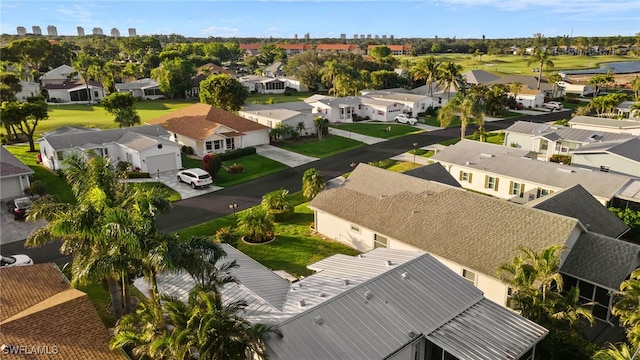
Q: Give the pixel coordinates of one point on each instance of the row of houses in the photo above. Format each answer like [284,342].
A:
[293,49]
[578,50]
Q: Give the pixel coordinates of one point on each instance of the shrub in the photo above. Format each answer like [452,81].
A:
[227,235]
[234,154]
[571,98]
[212,163]
[564,345]
[562,159]
[37,188]
[123,166]
[383,164]
[187,150]
[138,175]
[235,169]
[257,225]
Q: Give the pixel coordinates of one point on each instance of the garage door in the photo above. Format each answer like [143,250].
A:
[164,162]
[10,188]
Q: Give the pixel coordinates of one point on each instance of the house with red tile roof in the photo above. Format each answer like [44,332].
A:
[292,49]
[43,317]
[206,128]
[338,48]
[250,49]
[395,49]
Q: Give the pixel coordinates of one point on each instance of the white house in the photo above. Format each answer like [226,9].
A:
[147,89]
[271,116]
[413,103]
[470,233]
[547,140]
[580,88]
[622,157]
[59,75]
[530,98]
[262,84]
[75,92]
[208,129]
[146,148]
[629,126]
[343,109]
[514,175]
[294,83]
[29,89]
[334,313]
[14,175]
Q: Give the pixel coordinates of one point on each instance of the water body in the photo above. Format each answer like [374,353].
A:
[623,67]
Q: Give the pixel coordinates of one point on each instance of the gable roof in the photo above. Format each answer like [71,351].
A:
[601,260]
[10,165]
[492,158]
[199,121]
[274,67]
[576,202]
[36,299]
[530,81]
[395,96]
[71,85]
[442,220]
[628,149]
[379,317]
[564,133]
[479,76]
[58,73]
[605,122]
[69,137]
[337,47]
[434,172]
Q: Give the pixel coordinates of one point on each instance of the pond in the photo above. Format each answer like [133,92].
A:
[622,67]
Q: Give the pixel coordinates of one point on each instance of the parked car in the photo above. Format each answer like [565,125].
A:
[517,106]
[195,177]
[405,119]
[18,207]
[553,105]
[15,260]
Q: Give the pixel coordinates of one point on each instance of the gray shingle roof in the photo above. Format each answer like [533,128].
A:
[476,231]
[376,318]
[560,132]
[601,260]
[530,81]
[11,166]
[604,122]
[576,202]
[434,172]
[629,149]
[479,77]
[469,153]
[72,139]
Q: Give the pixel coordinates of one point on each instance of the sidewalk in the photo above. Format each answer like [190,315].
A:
[286,157]
[355,136]
[410,158]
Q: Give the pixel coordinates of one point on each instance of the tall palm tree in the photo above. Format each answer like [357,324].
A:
[515,88]
[468,108]
[635,85]
[312,183]
[83,65]
[554,79]
[450,76]
[427,69]
[627,307]
[542,58]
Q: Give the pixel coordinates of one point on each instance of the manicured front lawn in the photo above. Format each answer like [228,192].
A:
[328,146]
[255,166]
[276,98]
[379,130]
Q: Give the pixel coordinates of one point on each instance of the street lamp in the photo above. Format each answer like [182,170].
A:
[233,208]
[415,148]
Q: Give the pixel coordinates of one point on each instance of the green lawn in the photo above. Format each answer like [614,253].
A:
[276,98]
[328,146]
[255,166]
[378,130]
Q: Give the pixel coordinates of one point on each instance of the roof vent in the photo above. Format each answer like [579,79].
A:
[568,171]
[318,320]
[301,303]
[322,294]
[368,295]
[360,256]
[346,281]
[487,155]
[412,334]
[416,211]
[388,263]
[405,275]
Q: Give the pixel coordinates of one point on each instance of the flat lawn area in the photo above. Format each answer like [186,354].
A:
[255,166]
[433,121]
[101,300]
[276,98]
[379,130]
[329,145]
[295,246]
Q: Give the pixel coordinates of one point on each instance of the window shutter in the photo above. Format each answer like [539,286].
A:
[486,181]
[510,187]
[460,175]
[538,193]
[496,186]
[470,177]
[521,190]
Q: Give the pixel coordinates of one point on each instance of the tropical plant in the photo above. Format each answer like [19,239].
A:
[123,106]
[257,225]
[450,76]
[278,205]
[554,79]
[25,116]
[542,58]
[321,126]
[83,65]
[623,352]
[468,108]
[627,307]
[223,91]
[635,85]
[312,183]
[427,69]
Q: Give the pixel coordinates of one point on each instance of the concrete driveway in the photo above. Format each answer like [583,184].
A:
[170,178]
[15,230]
[286,157]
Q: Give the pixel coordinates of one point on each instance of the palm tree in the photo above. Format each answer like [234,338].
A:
[449,76]
[321,126]
[635,85]
[554,79]
[127,117]
[83,65]
[540,57]
[428,69]
[614,353]
[627,307]
[257,225]
[312,183]
[515,88]
[466,108]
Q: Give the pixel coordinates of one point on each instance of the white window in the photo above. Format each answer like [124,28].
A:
[517,189]
[60,155]
[491,182]
[465,176]
[380,241]
[208,145]
[217,144]
[231,143]
[355,228]
[469,275]
[543,192]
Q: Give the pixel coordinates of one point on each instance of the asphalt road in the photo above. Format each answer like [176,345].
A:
[189,212]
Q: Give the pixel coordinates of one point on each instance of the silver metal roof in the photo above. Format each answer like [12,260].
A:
[565,133]
[74,137]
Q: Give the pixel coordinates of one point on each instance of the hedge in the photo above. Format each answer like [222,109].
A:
[234,154]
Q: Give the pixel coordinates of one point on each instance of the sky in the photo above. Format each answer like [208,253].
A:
[494,19]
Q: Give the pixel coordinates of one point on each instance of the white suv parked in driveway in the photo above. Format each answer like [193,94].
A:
[405,119]
[195,177]
[553,105]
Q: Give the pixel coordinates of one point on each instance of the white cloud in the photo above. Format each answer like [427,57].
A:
[220,31]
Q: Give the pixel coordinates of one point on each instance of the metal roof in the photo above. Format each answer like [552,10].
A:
[374,319]
[468,153]
[565,133]
[628,149]
[75,137]
[605,122]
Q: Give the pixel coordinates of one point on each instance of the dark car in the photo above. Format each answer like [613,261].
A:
[18,207]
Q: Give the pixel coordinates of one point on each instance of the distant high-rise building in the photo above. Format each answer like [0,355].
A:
[361,36]
[80,31]
[132,32]
[343,36]
[391,37]
[21,31]
[384,37]
[295,36]
[115,32]
[368,36]
[306,36]
[355,36]
[97,31]
[36,30]
[52,30]
[377,36]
